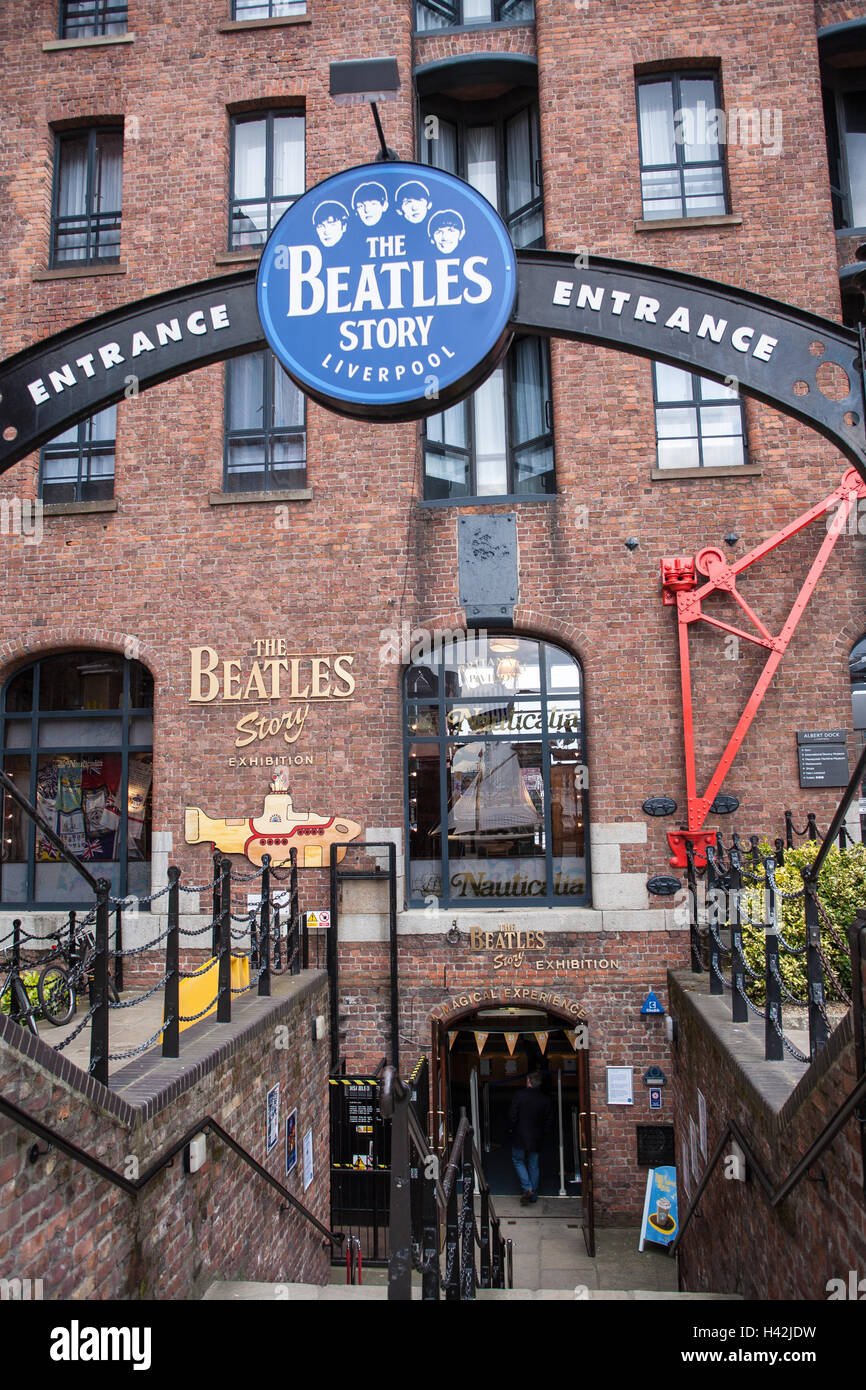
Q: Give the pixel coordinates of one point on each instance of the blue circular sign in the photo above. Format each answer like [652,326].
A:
[386,291]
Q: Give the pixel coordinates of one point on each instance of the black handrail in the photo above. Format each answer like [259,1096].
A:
[132,1186]
[774,1195]
[439,1201]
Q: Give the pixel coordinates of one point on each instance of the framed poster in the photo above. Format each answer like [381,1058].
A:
[693,1149]
[291,1141]
[272,1117]
[702,1122]
[308,1158]
[620,1085]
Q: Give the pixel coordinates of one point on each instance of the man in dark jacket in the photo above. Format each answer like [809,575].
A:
[529,1120]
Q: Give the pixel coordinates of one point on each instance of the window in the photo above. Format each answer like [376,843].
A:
[682,168]
[78,465]
[265,426]
[87,197]
[77,734]
[267,9]
[845,120]
[83,19]
[499,442]
[495,774]
[699,423]
[451,14]
[267,174]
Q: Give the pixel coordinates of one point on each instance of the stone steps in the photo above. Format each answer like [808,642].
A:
[330,1293]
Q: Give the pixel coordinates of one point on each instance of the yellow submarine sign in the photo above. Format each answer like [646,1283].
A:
[273,675]
[277,831]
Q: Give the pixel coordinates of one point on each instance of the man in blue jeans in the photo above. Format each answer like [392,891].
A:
[529,1119]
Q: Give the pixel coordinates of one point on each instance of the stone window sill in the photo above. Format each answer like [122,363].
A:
[233,26]
[95,41]
[249,257]
[79,272]
[107,504]
[737,470]
[297,494]
[672,224]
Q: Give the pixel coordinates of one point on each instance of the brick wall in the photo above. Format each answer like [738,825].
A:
[86,1239]
[737,1243]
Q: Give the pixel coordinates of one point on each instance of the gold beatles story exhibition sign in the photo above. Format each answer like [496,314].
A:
[269,675]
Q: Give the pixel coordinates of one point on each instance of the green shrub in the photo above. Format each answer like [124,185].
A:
[841,892]
[29,978]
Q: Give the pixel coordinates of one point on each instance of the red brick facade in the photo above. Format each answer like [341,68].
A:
[329,574]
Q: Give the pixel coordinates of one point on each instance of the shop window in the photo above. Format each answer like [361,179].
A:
[499,442]
[266,442]
[845,122]
[267,172]
[87,197]
[77,734]
[84,19]
[267,9]
[682,168]
[78,465]
[453,14]
[497,806]
[699,423]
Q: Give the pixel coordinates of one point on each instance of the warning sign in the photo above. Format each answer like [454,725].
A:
[318,921]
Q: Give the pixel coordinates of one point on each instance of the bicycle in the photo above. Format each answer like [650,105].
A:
[21,1011]
[58,986]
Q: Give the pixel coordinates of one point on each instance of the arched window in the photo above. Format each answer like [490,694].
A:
[496,774]
[77,733]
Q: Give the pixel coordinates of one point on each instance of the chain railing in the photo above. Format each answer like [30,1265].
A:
[276,936]
[737,879]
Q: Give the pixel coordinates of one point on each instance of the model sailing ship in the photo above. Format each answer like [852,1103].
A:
[277,831]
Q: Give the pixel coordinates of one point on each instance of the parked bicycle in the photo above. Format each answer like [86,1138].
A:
[21,1010]
[68,974]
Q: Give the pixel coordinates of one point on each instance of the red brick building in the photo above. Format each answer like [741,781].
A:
[217,521]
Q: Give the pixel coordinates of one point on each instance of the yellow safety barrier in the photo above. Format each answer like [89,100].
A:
[195,993]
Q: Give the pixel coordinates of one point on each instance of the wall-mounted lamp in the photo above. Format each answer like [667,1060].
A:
[367,79]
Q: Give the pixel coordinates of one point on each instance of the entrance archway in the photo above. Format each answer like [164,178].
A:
[482,1052]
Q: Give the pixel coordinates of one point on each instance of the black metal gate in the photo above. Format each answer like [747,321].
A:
[361,1159]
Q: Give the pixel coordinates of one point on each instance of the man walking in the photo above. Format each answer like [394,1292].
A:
[529,1120]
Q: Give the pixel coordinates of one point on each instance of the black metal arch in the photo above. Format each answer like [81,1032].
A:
[773,350]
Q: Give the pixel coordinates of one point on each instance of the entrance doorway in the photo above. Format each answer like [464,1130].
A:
[484,1060]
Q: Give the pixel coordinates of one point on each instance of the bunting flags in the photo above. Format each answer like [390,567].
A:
[452,1037]
[541,1039]
[480,1040]
[571,1034]
[511,1039]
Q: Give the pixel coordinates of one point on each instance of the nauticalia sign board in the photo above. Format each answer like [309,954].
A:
[386,291]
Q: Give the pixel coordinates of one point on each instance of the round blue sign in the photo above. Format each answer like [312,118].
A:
[386,291]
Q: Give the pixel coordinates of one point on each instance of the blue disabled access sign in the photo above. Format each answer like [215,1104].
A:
[386,292]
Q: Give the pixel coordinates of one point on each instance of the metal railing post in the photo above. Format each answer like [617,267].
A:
[224,971]
[171,1033]
[484,1271]
[818,1030]
[789,829]
[467,1219]
[692,885]
[265,929]
[429,1235]
[400,1255]
[305,944]
[118,949]
[452,1247]
[293,939]
[216,906]
[99,1028]
[14,1011]
[497,1272]
[773,1049]
[857,943]
[739,1007]
[713,915]
[812,832]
